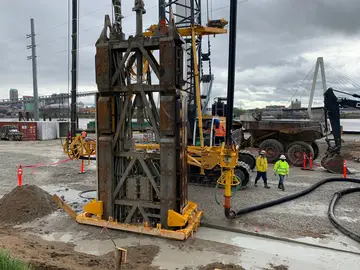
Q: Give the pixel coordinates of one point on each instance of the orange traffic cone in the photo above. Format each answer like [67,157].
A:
[82,168]
[20,176]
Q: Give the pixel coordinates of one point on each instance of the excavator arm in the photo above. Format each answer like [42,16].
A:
[333,160]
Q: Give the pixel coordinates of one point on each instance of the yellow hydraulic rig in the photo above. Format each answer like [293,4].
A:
[201,156]
[188,220]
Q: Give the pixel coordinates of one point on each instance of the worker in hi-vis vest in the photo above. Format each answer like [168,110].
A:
[220,132]
[261,167]
[282,169]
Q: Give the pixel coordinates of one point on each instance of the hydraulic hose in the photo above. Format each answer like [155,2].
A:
[86,191]
[233,190]
[333,202]
[333,218]
[294,196]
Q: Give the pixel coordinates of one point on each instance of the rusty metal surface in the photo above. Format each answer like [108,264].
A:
[167,115]
[134,186]
[284,125]
[182,159]
[105,172]
[104,115]
[102,67]
[168,177]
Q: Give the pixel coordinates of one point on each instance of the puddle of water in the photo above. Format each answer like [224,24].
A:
[256,252]
[333,241]
[71,196]
[295,254]
[349,219]
[172,259]
[59,237]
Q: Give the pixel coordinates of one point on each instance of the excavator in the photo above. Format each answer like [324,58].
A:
[333,161]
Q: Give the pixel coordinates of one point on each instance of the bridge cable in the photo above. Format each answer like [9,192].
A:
[347,77]
[307,75]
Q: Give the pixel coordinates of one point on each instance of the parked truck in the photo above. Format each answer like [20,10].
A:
[292,137]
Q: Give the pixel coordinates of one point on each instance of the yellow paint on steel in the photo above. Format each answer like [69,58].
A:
[64,206]
[197,87]
[189,221]
[187,32]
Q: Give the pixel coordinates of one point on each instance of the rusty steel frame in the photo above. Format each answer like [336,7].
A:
[118,162]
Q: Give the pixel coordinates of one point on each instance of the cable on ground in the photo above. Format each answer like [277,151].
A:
[87,191]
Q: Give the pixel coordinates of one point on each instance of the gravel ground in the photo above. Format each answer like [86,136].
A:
[306,216]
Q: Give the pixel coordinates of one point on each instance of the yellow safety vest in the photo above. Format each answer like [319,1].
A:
[281,167]
[261,164]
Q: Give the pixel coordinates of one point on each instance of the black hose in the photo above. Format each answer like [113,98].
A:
[333,202]
[86,191]
[294,196]
[87,158]
[333,218]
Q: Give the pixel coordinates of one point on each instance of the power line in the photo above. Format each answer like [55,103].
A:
[56,26]
[82,16]
[219,8]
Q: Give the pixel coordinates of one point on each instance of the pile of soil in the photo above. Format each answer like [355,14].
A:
[140,257]
[278,267]
[221,266]
[25,204]
[351,150]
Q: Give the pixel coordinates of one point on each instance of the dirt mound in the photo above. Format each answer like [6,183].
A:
[141,257]
[221,266]
[24,204]
[278,267]
[350,150]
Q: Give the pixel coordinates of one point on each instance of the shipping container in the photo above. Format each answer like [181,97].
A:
[28,129]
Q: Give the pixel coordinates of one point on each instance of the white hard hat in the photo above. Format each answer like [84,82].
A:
[282,157]
[262,152]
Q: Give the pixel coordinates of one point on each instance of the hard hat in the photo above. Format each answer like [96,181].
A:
[282,157]
[262,152]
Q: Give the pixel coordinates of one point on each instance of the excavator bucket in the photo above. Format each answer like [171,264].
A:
[334,163]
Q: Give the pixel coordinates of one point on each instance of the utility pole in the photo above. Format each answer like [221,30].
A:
[34,69]
[74,68]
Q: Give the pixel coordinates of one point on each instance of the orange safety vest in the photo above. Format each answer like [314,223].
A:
[220,132]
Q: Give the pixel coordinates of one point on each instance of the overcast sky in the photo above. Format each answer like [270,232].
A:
[277,45]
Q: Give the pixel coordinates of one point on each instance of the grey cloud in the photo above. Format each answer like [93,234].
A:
[273,43]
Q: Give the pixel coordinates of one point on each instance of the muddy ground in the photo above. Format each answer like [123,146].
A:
[49,242]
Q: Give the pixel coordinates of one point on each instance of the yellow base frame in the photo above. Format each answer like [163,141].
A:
[189,221]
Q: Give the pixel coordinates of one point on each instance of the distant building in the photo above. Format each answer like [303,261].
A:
[4,109]
[29,106]
[295,104]
[14,95]
[275,107]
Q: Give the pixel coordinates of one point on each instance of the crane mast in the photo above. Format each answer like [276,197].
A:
[117,24]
